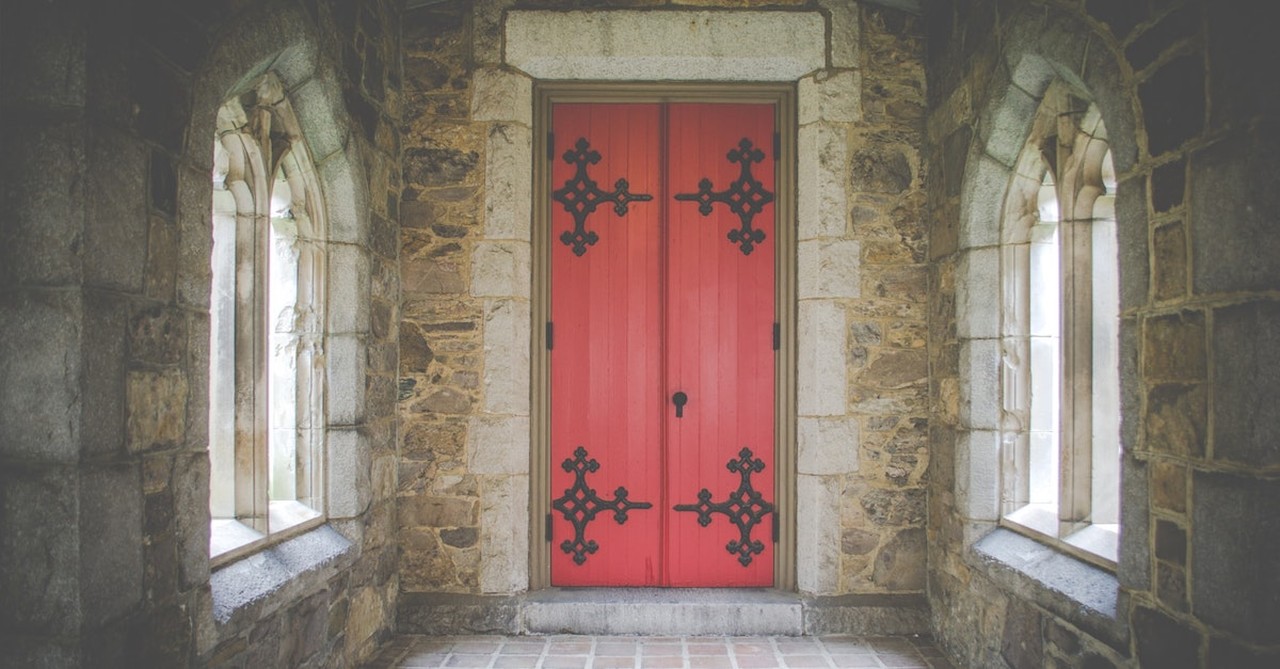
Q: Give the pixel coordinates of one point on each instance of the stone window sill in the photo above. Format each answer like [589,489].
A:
[257,584]
[1080,593]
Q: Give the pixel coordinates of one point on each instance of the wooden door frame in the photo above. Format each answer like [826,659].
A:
[783,97]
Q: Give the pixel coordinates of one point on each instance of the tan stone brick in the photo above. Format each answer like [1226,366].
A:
[1169,485]
[1174,347]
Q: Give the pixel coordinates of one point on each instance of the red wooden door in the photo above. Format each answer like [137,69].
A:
[662,289]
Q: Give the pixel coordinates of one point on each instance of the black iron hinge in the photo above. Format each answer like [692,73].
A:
[777,145]
[777,336]
[551,146]
[547,530]
[775,526]
[550,336]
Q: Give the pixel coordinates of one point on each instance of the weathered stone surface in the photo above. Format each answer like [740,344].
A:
[894,507]
[504,534]
[1177,419]
[427,511]
[827,445]
[1168,184]
[900,564]
[856,541]
[1169,245]
[349,472]
[506,346]
[1169,486]
[977,489]
[157,407]
[1234,240]
[1163,641]
[498,445]
[617,45]
[897,368]
[821,384]
[1022,644]
[508,160]
[38,509]
[40,336]
[1173,109]
[818,539]
[1246,380]
[831,97]
[1234,516]
[822,197]
[499,95]
[500,269]
[881,170]
[110,530]
[829,268]
[1175,346]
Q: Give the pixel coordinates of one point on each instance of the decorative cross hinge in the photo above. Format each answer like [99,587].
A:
[745,507]
[746,197]
[580,504]
[580,197]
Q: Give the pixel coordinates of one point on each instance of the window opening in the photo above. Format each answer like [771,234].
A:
[1060,292]
[266,357]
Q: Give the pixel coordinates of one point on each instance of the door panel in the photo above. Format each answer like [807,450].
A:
[606,368]
[720,341]
[650,297]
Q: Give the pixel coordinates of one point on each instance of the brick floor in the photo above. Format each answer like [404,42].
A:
[629,652]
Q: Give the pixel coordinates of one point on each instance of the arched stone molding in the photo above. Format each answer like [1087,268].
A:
[279,38]
[1041,46]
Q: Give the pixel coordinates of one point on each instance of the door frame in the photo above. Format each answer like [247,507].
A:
[783,97]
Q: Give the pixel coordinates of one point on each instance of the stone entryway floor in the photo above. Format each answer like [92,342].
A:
[635,652]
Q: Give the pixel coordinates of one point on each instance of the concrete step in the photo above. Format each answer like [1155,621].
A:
[663,612]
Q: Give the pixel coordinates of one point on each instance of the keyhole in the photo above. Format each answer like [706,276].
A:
[680,399]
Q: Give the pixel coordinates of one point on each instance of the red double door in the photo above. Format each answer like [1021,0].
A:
[662,344]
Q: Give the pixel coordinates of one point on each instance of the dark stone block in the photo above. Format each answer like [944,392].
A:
[1131,237]
[1235,235]
[162,100]
[1235,555]
[365,114]
[954,155]
[164,183]
[1022,645]
[900,563]
[1242,47]
[1246,383]
[1067,641]
[157,336]
[1169,245]
[1164,642]
[1171,586]
[1174,27]
[1177,419]
[1171,542]
[461,537]
[438,166]
[1173,103]
[1168,183]
[1225,653]
[1121,16]
[1174,347]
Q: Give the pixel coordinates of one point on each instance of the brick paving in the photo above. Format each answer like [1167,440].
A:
[635,652]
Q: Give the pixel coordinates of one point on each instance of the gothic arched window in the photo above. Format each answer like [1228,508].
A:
[267,323]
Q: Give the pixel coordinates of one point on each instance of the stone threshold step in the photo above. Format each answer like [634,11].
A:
[663,612]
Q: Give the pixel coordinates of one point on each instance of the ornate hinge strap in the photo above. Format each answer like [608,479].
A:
[580,196]
[746,197]
[745,507]
[580,504]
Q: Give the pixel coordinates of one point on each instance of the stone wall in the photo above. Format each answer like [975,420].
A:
[105,263]
[466,251]
[1194,144]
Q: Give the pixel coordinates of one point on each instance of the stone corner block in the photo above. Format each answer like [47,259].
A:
[508,195]
[498,445]
[821,377]
[507,332]
[980,384]
[501,269]
[834,97]
[829,268]
[498,95]
[818,534]
[827,445]
[822,170]
[350,464]
[978,290]
[504,535]
[977,463]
